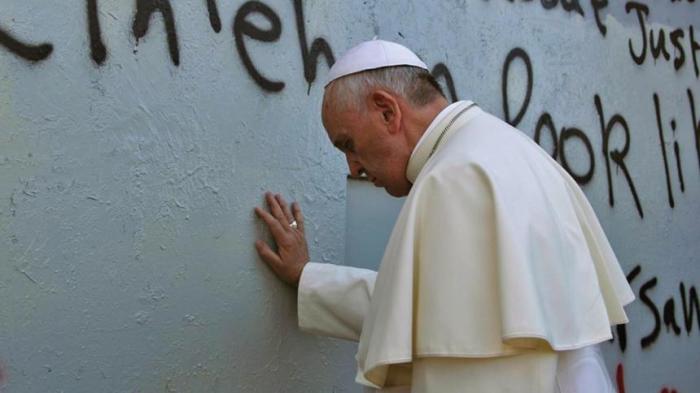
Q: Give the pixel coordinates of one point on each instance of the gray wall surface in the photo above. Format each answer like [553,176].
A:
[136,137]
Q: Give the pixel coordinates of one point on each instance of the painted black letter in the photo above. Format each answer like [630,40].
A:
[651,337]
[97,47]
[27,52]
[696,124]
[242,28]
[214,19]
[677,152]
[616,155]
[441,70]
[641,11]
[546,120]
[512,55]
[660,46]
[549,4]
[572,5]
[670,317]
[663,150]
[676,36]
[688,309]
[567,133]
[144,9]
[318,47]
[597,6]
[694,47]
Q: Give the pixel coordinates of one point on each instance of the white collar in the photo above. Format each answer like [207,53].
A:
[438,129]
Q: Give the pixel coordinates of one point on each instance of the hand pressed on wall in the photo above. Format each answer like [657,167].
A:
[292,251]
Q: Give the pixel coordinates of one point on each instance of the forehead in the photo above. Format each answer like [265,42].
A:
[338,123]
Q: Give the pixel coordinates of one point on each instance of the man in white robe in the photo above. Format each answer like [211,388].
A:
[497,276]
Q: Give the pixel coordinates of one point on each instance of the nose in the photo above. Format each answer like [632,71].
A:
[356,169]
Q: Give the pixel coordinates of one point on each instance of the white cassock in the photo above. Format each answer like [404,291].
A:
[497,276]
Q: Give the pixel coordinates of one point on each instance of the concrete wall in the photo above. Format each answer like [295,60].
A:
[134,146]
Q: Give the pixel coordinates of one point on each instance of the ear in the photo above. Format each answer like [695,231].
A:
[387,107]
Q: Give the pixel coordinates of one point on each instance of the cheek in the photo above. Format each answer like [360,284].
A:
[383,159]
[393,168]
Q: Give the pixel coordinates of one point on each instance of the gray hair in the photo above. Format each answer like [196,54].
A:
[416,85]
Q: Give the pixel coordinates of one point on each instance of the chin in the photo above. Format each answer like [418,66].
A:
[398,192]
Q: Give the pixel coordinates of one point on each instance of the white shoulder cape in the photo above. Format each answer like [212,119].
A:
[496,251]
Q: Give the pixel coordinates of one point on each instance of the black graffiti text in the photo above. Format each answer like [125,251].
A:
[665,154]
[28,52]
[562,138]
[658,44]
[439,71]
[665,319]
[574,6]
[144,10]
[242,28]
[214,18]
[695,118]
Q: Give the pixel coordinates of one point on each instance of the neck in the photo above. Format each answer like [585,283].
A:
[419,119]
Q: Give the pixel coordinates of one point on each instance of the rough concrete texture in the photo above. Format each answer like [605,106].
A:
[130,161]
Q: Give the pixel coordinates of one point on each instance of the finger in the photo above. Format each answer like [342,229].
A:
[266,253]
[285,208]
[298,215]
[272,223]
[275,209]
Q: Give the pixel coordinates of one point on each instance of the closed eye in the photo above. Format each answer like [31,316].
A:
[345,145]
[349,146]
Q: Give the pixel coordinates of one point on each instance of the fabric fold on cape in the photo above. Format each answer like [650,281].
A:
[496,252]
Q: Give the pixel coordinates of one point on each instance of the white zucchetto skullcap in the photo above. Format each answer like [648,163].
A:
[371,55]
